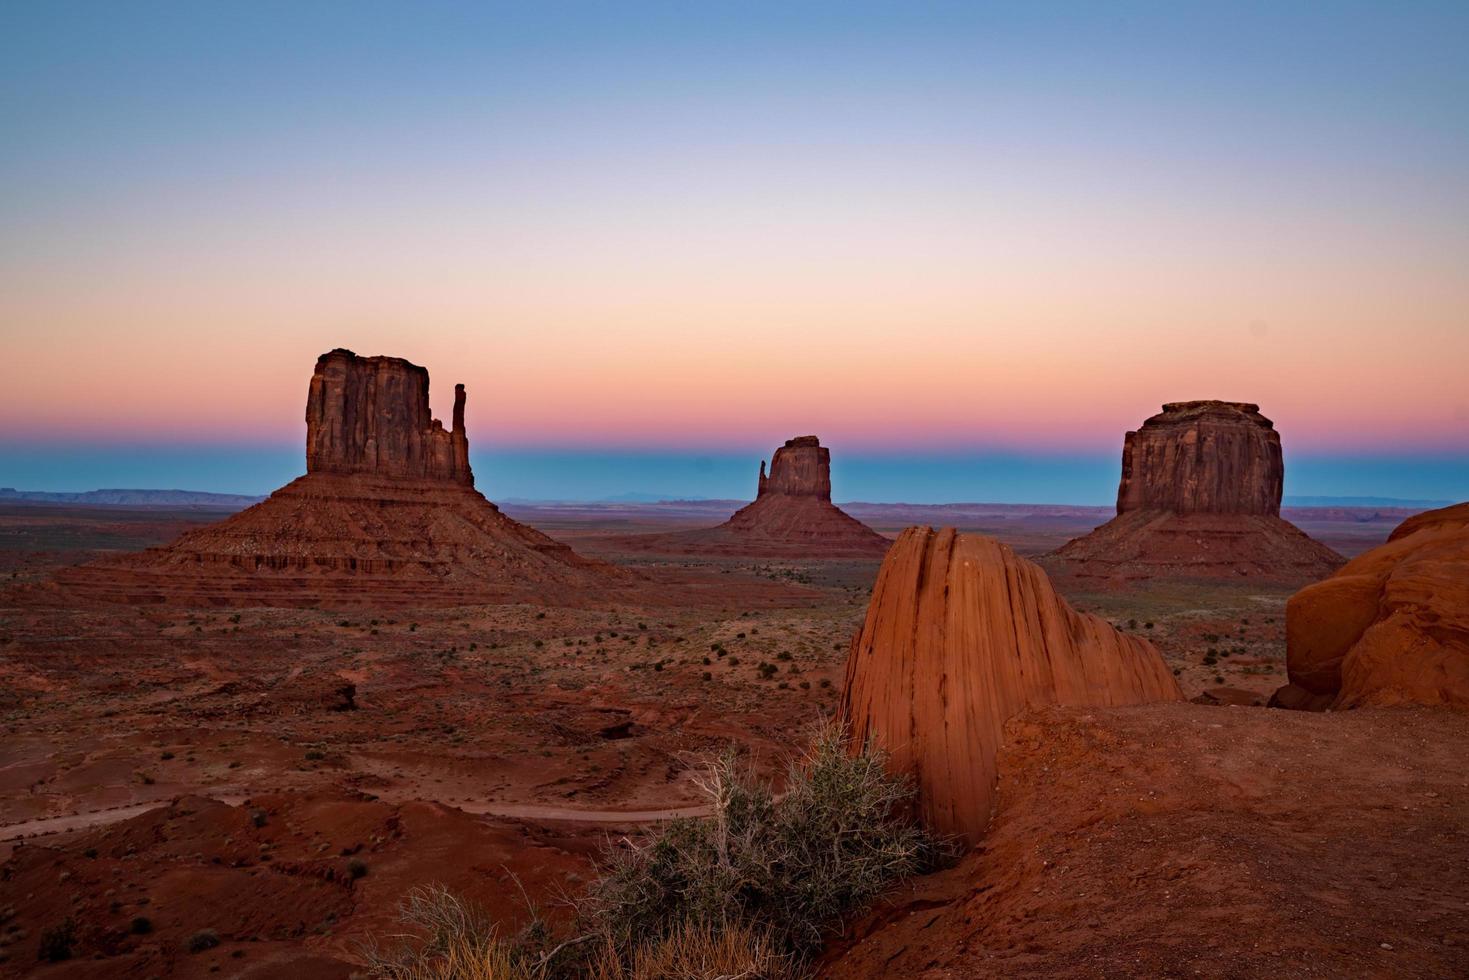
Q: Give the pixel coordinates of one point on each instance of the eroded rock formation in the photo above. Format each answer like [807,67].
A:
[800,468]
[1391,627]
[371,415]
[960,636]
[1200,496]
[387,513]
[1206,457]
[792,516]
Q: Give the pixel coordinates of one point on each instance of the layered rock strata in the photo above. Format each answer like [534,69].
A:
[960,636]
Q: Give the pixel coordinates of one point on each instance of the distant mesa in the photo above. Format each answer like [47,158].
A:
[131,498]
[1200,497]
[386,513]
[792,516]
[961,635]
[1392,627]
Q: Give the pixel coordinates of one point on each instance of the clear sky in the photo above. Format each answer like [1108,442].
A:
[951,239]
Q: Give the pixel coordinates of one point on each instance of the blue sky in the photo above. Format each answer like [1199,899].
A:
[593,475]
[968,244]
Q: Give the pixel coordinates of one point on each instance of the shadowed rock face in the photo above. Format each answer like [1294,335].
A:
[960,636]
[800,468]
[1203,457]
[371,415]
[1391,627]
[1200,498]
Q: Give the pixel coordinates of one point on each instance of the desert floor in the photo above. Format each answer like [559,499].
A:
[212,768]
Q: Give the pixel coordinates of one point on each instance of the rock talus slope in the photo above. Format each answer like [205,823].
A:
[1200,497]
[960,636]
[386,513]
[1391,627]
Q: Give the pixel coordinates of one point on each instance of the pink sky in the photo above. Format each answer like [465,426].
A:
[1022,229]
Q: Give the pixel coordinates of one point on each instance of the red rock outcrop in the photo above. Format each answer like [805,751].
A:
[387,513]
[1391,627]
[371,415]
[1200,497]
[792,516]
[960,636]
[1207,457]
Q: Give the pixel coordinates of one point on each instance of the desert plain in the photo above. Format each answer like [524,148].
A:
[282,776]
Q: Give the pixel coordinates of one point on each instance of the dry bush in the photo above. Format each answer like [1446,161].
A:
[791,866]
[748,893]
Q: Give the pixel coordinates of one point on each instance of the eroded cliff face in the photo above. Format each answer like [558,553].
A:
[960,636]
[371,415]
[1203,457]
[1391,627]
[800,468]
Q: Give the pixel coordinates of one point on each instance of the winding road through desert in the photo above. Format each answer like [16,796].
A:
[48,826]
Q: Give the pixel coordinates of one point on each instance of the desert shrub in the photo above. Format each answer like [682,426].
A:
[357,868]
[141,926]
[749,891]
[788,867]
[202,940]
[56,942]
[454,940]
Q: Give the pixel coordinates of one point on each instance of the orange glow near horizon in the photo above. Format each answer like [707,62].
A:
[912,234]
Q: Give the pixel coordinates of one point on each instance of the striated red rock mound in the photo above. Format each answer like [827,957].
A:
[386,513]
[960,636]
[1200,497]
[1391,627]
[792,516]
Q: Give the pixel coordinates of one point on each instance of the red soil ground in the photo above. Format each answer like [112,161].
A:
[488,739]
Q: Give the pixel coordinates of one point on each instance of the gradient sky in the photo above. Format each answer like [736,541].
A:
[982,233]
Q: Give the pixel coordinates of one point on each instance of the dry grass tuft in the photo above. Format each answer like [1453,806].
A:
[458,942]
[698,952]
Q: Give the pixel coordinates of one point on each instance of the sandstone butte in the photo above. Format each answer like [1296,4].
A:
[961,635]
[1200,497]
[1391,627]
[386,513]
[792,515]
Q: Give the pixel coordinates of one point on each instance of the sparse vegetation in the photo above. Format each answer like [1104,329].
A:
[788,867]
[203,940]
[750,891]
